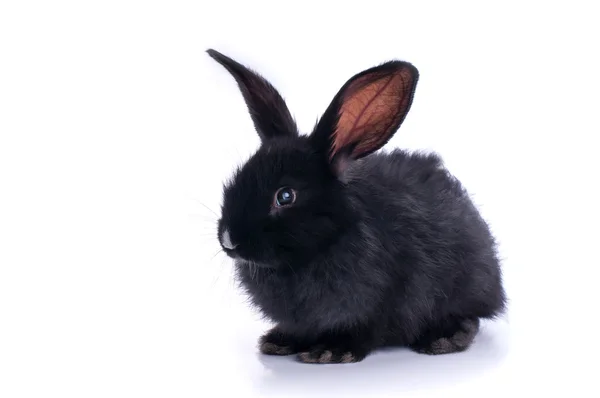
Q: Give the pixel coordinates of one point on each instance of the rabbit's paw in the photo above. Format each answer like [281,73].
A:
[324,354]
[276,342]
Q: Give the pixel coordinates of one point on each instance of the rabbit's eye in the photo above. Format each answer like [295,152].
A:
[285,196]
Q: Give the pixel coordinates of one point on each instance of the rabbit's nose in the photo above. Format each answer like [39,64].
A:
[226,240]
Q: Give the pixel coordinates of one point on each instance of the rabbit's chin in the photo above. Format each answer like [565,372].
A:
[239,262]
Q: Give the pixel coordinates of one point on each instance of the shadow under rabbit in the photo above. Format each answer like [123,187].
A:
[388,369]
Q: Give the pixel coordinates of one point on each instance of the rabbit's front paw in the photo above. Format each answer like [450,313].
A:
[324,354]
[276,342]
[274,349]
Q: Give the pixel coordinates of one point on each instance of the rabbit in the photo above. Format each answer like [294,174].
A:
[346,249]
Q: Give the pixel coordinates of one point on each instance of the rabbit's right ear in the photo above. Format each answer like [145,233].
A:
[365,113]
[267,108]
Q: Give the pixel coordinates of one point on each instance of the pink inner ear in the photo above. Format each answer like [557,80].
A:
[371,109]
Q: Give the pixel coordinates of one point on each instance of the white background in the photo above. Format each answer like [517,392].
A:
[117,130]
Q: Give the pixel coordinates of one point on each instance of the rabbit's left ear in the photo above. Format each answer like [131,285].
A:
[267,108]
[365,113]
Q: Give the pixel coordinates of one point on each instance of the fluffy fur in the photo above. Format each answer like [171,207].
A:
[378,249]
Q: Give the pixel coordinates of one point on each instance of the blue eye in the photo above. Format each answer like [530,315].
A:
[285,197]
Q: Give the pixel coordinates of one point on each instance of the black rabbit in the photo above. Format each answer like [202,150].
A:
[345,249]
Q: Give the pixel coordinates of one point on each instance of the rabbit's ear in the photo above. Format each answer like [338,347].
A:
[267,108]
[366,112]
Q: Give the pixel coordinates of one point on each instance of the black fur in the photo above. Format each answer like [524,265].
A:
[389,251]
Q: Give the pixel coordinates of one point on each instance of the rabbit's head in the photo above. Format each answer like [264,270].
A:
[289,200]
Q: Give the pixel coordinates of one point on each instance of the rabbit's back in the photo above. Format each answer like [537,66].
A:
[445,262]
